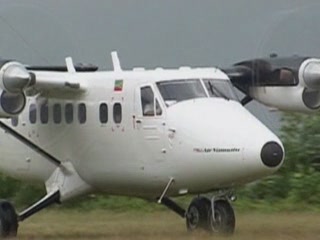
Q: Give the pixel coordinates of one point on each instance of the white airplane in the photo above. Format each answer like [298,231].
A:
[152,134]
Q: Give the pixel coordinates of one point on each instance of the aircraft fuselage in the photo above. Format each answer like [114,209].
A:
[204,143]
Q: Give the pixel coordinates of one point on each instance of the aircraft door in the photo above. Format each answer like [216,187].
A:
[150,126]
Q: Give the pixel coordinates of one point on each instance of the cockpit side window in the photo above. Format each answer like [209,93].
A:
[150,105]
[147,101]
[158,108]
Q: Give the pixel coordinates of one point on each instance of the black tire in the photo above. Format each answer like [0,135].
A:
[224,218]
[8,220]
[197,214]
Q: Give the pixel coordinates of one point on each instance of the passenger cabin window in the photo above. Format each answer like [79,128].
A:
[68,112]
[82,113]
[15,121]
[174,91]
[33,113]
[44,113]
[150,105]
[117,113]
[103,113]
[57,113]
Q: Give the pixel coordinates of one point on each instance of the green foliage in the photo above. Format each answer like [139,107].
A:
[8,187]
[297,183]
[27,194]
[114,203]
[301,136]
[20,193]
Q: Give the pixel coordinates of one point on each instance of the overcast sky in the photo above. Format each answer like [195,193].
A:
[153,33]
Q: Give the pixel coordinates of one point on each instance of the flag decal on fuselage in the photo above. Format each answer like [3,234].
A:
[118,85]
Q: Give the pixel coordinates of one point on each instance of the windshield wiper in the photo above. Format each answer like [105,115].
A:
[215,91]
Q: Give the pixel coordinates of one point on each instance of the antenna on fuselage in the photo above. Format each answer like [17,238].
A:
[70,65]
[116,61]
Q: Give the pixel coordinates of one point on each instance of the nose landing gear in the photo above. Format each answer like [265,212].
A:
[224,219]
[197,214]
[216,216]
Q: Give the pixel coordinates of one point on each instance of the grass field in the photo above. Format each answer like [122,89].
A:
[55,224]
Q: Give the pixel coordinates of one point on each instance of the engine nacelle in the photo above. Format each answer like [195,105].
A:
[290,84]
[14,78]
[288,98]
[11,104]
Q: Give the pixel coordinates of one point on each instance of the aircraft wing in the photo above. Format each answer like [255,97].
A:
[58,77]
[18,80]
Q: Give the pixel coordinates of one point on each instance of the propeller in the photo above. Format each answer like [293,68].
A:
[271,71]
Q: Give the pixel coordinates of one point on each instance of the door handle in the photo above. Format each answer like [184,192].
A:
[173,130]
[139,121]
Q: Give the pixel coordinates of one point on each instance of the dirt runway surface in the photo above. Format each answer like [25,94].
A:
[57,224]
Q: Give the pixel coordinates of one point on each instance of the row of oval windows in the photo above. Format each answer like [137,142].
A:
[69,113]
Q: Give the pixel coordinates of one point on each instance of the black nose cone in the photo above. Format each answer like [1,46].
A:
[272,154]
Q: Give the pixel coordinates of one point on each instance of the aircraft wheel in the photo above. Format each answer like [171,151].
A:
[8,220]
[224,222]
[197,214]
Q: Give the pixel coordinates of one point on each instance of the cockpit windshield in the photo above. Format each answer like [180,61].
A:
[220,89]
[174,91]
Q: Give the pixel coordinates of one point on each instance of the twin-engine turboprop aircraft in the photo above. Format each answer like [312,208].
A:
[152,134]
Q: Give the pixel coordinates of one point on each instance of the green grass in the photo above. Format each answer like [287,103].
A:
[72,224]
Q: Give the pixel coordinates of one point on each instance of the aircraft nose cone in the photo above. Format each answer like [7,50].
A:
[272,154]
